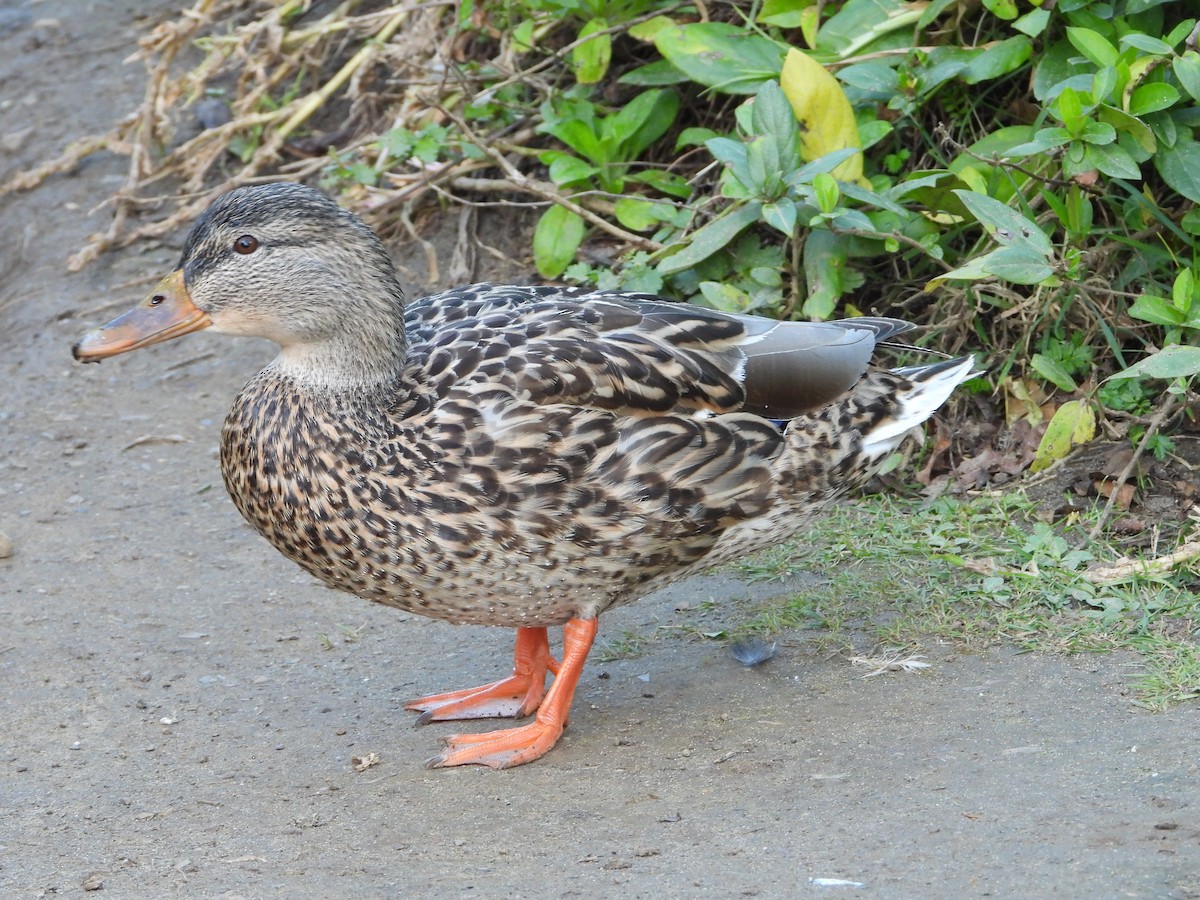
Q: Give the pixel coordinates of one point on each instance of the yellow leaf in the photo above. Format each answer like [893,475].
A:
[825,115]
[1072,425]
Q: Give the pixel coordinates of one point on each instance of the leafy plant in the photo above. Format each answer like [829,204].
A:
[604,146]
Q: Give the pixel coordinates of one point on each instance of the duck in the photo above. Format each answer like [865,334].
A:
[526,457]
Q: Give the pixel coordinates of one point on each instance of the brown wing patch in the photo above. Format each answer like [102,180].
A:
[606,353]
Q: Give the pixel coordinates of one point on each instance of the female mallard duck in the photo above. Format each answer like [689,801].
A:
[515,456]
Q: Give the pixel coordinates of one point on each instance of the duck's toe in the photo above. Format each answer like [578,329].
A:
[501,749]
[518,695]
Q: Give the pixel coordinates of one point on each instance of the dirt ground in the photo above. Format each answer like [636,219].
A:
[180,707]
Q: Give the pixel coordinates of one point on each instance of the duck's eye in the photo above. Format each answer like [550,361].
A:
[247,243]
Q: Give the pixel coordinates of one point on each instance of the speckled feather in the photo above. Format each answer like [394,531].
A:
[522,456]
[543,461]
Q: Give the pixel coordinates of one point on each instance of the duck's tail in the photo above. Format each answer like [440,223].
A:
[912,394]
[844,444]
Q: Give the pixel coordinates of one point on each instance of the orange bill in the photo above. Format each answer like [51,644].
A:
[167,313]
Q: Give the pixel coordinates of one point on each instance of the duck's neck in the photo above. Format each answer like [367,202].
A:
[363,362]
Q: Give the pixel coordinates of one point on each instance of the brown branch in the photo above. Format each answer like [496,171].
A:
[550,192]
[1128,568]
[1156,423]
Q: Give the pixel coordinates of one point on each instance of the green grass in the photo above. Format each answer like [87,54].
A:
[975,574]
[627,645]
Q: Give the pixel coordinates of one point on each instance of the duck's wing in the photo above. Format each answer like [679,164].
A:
[636,353]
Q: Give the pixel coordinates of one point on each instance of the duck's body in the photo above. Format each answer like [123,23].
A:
[502,483]
[523,457]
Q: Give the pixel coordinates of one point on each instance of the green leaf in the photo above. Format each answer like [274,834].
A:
[575,125]
[1152,97]
[826,192]
[781,216]
[669,183]
[567,169]
[735,157]
[1045,139]
[1180,167]
[1177,361]
[824,273]
[1114,161]
[691,137]
[642,121]
[1135,128]
[1098,133]
[764,167]
[1056,66]
[1020,265]
[645,31]
[931,13]
[522,36]
[859,24]
[592,57]
[725,297]
[1092,45]
[1146,43]
[1004,224]
[721,56]
[640,214]
[1052,370]
[999,59]
[656,74]
[784,13]
[1183,291]
[1156,310]
[768,276]
[873,77]
[1016,264]
[1070,110]
[1073,424]
[558,234]
[1033,22]
[1001,9]
[1187,70]
[1104,82]
[712,238]
[771,116]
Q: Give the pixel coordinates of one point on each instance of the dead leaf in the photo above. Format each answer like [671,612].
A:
[1023,399]
[362,763]
[1125,493]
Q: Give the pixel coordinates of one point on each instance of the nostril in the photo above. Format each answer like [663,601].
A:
[157,299]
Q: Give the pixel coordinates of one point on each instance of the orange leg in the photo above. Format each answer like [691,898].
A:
[516,746]
[513,697]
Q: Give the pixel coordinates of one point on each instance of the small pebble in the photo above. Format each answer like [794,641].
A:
[212,112]
[94,882]
[6,546]
[15,140]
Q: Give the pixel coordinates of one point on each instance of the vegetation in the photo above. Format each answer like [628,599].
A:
[979,573]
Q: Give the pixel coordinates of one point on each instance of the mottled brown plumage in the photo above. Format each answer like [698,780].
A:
[515,456]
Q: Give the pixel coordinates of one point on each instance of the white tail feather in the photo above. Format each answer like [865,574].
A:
[932,386]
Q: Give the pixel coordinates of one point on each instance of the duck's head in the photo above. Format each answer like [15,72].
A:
[279,261]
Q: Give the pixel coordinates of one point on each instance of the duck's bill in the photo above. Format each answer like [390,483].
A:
[167,313]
